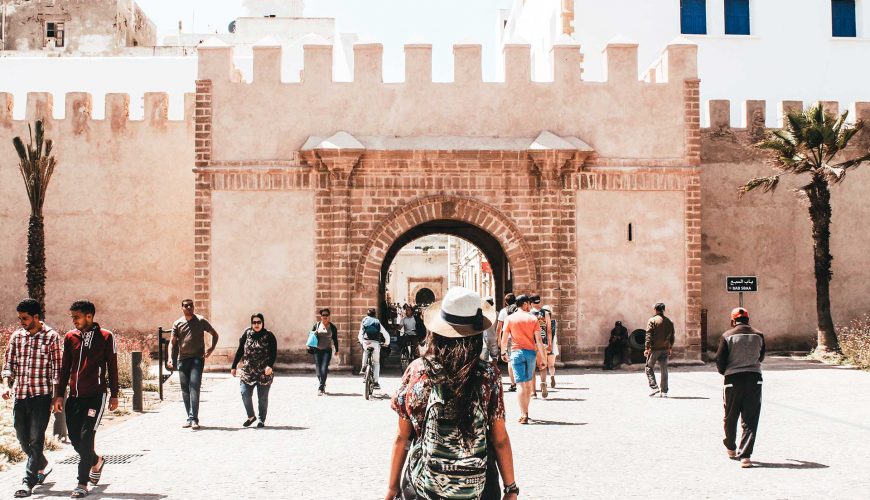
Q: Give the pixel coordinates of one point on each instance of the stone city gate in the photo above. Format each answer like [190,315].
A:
[304,189]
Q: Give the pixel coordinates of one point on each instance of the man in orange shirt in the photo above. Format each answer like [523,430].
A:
[522,328]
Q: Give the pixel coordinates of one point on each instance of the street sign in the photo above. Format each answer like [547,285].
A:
[741,283]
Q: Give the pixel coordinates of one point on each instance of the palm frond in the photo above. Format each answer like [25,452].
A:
[766,184]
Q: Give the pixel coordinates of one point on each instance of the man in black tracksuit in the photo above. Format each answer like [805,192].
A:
[739,357]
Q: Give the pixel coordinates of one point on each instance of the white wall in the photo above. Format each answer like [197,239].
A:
[789,55]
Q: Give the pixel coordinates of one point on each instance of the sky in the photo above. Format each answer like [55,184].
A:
[390,22]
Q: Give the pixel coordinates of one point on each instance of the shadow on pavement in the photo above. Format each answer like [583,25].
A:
[798,464]
[554,422]
[564,399]
[344,394]
[96,492]
[562,388]
[252,428]
[686,397]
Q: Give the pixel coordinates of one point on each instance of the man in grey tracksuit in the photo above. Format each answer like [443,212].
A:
[739,357]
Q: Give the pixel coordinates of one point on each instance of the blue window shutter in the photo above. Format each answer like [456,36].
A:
[843,18]
[693,17]
[736,17]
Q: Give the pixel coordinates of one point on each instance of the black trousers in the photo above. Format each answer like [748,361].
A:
[616,349]
[30,417]
[742,398]
[83,416]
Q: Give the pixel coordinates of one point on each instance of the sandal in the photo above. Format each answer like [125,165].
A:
[94,477]
[40,476]
[25,490]
[512,388]
[524,419]
[79,492]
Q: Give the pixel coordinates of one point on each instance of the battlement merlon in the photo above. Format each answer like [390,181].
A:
[753,114]
[677,63]
[78,108]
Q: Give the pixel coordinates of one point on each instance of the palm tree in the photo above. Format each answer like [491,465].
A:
[36,165]
[809,144]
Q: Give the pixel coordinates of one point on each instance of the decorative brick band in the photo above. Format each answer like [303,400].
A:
[692,120]
[202,199]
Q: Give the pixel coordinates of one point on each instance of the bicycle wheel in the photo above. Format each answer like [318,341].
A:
[369,382]
[405,358]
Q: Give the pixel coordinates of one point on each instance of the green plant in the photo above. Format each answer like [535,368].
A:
[813,142]
[36,164]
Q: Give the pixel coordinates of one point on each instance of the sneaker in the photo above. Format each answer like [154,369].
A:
[746,463]
[544,390]
[249,421]
[187,424]
[664,394]
[320,392]
[552,381]
[194,426]
[261,424]
[654,392]
[512,388]
[362,372]
[376,386]
[731,454]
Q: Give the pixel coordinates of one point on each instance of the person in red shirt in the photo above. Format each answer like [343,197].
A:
[32,361]
[89,367]
[522,328]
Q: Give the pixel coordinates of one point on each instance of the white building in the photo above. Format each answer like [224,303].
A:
[773,50]
[418,273]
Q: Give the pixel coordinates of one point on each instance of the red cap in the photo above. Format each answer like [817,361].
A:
[739,312]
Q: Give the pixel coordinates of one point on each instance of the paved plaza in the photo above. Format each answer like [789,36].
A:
[597,436]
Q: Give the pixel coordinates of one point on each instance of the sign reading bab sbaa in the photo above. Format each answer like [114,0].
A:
[741,283]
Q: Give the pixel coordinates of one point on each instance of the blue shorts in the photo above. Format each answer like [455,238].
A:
[523,361]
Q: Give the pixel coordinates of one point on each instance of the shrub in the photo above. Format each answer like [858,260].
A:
[855,341]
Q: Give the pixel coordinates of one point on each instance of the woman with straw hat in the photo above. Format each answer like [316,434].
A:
[451,409]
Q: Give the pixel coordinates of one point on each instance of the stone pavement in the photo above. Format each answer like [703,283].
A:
[597,436]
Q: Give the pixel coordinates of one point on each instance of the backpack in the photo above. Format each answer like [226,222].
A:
[372,329]
[419,327]
[440,464]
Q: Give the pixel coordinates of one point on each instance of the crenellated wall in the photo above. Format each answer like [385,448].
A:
[622,118]
[118,213]
[769,235]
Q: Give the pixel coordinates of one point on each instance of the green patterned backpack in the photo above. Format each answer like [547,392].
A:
[441,464]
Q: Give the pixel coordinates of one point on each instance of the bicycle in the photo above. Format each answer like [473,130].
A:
[408,352]
[369,376]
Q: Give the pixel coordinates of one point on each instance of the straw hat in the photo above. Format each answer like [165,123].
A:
[461,313]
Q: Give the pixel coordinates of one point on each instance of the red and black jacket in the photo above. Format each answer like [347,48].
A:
[90,363]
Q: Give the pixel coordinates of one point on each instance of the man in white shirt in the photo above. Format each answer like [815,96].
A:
[509,300]
[368,337]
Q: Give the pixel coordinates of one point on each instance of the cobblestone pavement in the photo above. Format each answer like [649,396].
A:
[597,436]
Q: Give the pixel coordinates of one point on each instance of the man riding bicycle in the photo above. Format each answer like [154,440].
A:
[373,334]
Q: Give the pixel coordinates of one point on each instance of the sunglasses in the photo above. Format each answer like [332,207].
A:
[187,306]
[256,322]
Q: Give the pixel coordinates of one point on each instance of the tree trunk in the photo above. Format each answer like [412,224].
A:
[36,260]
[820,215]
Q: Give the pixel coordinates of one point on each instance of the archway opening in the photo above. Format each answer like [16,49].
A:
[445,253]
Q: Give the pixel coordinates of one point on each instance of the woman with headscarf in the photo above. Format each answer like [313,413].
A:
[258,349]
[451,408]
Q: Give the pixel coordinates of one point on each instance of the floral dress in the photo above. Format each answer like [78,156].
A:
[412,396]
[256,357]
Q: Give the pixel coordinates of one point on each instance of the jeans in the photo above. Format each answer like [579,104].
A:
[190,377]
[321,365]
[262,399]
[661,356]
[30,416]
[83,416]
[376,360]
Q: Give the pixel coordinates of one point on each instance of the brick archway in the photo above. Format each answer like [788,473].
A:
[440,207]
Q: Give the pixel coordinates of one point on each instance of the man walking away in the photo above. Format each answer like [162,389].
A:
[522,329]
[657,348]
[373,334]
[89,366]
[188,354]
[739,357]
[32,362]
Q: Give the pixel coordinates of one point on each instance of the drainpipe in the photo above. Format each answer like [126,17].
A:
[567,17]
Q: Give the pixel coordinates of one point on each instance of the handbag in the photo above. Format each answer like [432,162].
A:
[312,340]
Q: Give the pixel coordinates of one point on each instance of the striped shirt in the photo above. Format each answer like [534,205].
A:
[33,361]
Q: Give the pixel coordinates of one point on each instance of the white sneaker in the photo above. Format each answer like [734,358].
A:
[654,392]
